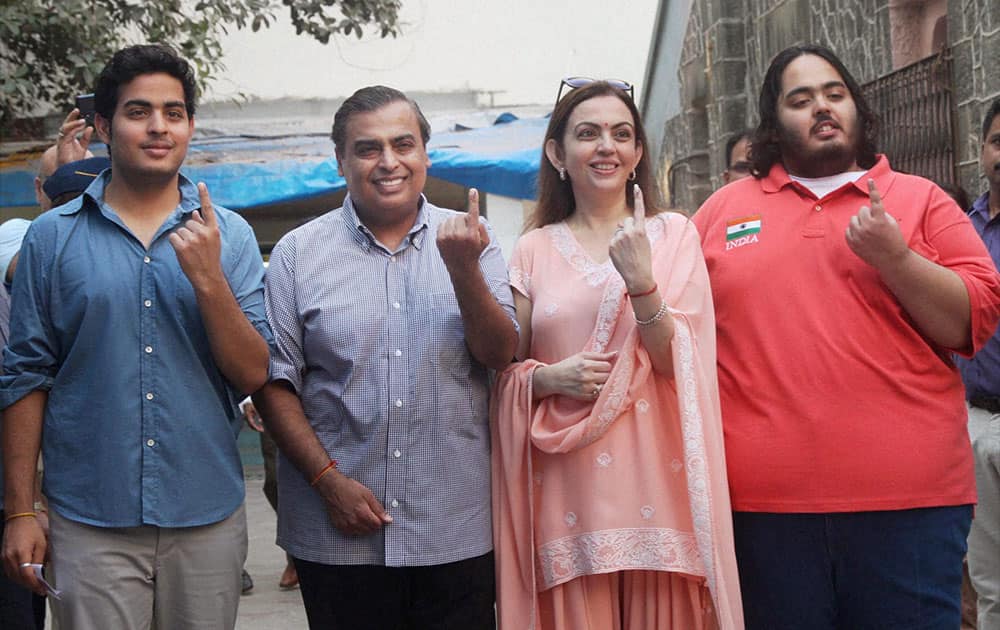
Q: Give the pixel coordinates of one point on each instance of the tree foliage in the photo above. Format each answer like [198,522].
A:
[51,50]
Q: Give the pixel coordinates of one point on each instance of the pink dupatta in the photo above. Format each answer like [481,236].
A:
[526,564]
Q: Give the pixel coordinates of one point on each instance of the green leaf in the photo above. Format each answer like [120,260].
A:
[51,50]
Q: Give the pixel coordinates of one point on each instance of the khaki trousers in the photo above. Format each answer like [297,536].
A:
[147,577]
[984,537]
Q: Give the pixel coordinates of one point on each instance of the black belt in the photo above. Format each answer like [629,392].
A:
[989,403]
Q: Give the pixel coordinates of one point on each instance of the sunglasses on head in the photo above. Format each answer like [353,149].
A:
[576,82]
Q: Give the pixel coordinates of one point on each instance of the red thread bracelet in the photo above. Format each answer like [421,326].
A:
[326,469]
[644,293]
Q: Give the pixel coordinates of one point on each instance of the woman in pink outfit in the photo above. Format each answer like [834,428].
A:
[610,503]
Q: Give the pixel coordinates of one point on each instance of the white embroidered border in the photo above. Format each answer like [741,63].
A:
[649,549]
[695,461]
[570,249]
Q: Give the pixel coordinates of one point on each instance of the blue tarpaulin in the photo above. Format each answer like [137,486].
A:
[243,172]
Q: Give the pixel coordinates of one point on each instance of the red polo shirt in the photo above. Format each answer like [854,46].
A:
[832,401]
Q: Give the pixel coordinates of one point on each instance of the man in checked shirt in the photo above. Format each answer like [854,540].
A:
[387,313]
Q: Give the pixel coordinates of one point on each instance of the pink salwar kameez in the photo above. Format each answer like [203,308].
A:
[613,513]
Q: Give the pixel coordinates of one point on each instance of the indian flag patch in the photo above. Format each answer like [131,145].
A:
[745,226]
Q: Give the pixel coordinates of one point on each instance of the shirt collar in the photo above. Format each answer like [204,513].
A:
[777,178]
[363,236]
[190,200]
[981,207]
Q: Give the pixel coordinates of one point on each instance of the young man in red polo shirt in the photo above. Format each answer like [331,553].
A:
[841,287]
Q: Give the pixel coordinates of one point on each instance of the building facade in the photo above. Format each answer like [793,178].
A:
[930,67]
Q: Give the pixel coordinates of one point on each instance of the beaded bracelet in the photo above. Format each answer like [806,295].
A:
[326,469]
[655,318]
[11,517]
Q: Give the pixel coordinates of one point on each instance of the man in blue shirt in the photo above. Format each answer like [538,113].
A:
[20,609]
[981,375]
[386,313]
[137,324]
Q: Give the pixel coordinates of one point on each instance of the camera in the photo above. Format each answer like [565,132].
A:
[85,103]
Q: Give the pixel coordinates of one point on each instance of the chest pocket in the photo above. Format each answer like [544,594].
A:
[448,350]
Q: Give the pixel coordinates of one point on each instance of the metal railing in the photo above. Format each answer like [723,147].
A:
[916,117]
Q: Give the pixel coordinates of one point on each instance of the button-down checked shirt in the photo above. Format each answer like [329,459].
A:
[981,373]
[373,343]
[140,426]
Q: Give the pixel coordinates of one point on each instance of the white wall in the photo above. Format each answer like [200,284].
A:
[520,47]
[506,217]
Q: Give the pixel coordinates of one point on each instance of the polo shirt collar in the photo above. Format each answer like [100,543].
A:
[777,178]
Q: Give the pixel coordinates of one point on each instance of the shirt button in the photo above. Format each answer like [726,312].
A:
[395,305]
[147,303]
[399,403]
[392,259]
[818,208]
[395,503]
[146,259]
[397,453]
[150,442]
[399,352]
[148,349]
[149,395]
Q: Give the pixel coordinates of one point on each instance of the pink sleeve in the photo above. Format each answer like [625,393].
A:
[521,265]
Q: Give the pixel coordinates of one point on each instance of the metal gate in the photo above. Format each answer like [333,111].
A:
[916,120]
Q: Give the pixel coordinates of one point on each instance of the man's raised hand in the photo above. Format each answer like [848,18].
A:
[873,234]
[462,239]
[198,243]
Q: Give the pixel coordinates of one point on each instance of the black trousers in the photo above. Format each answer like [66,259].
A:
[20,609]
[454,596]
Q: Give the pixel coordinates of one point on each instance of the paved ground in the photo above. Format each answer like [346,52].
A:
[266,607]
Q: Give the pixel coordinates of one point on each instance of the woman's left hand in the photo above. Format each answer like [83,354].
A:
[630,250]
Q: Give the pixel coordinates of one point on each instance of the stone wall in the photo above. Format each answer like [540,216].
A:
[729,44]
[974,36]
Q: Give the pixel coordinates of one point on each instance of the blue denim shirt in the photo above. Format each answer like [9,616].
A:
[140,425]
[981,373]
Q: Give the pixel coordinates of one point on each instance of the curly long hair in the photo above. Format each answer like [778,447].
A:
[555,196]
[764,148]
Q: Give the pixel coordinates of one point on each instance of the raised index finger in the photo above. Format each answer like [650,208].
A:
[207,211]
[640,207]
[876,199]
[472,216]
